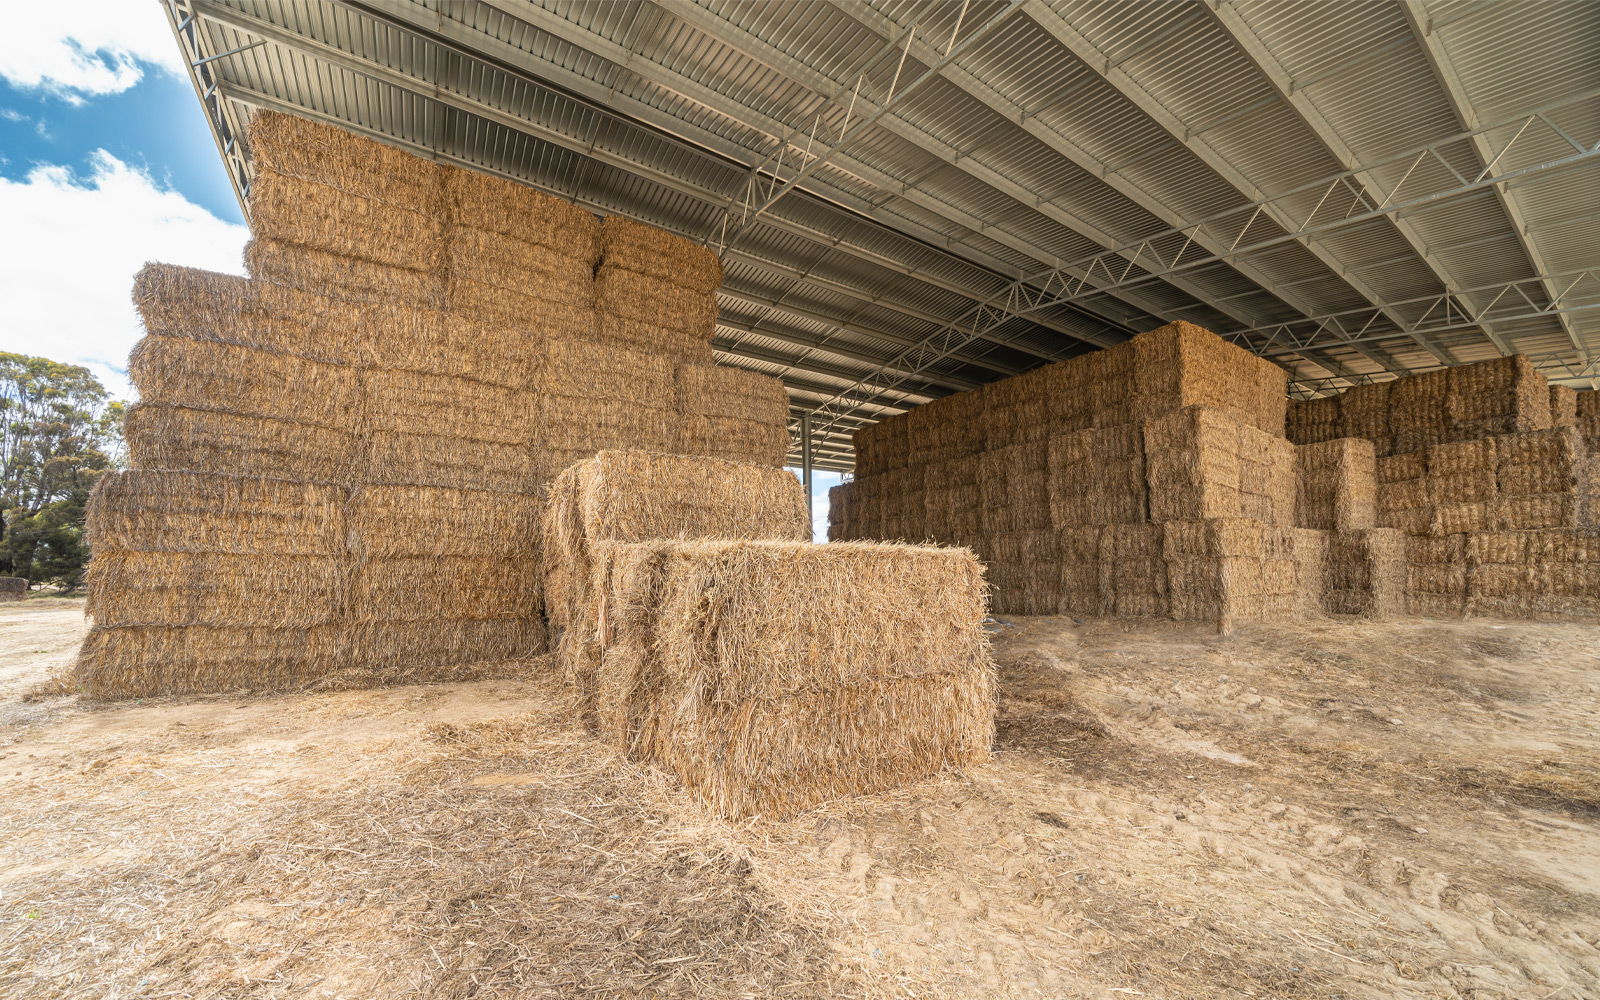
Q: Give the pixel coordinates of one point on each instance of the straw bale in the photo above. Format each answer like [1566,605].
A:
[425,588]
[1312,421]
[1366,573]
[636,296]
[325,154]
[1133,574]
[355,279]
[417,649]
[459,346]
[880,446]
[172,437]
[1529,513]
[1364,413]
[412,521]
[13,588]
[659,254]
[1410,493]
[1268,476]
[400,458]
[1192,464]
[1563,406]
[548,310]
[325,218]
[1080,572]
[1181,365]
[588,424]
[1338,484]
[632,496]
[737,440]
[147,510]
[1310,558]
[585,369]
[718,391]
[704,669]
[1463,487]
[213,588]
[399,401]
[1500,396]
[1213,569]
[1501,575]
[1399,468]
[142,662]
[533,269]
[1097,476]
[496,204]
[1417,414]
[1436,576]
[1408,520]
[637,335]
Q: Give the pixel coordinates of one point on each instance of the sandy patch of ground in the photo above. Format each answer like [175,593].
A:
[1340,809]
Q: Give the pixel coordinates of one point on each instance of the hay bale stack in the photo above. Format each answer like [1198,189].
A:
[1500,573]
[178,438]
[1228,570]
[731,413]
[1080,594]
[1436,576]
[1181,365]
[13,588]
[1417,415]
[1366,573]
[1503,396]
[1309,556]
[1563,406]
[1097,477]
[655,288]
[1588,410]
[1565,569]
[702,667]
[634,496]
[1313,421]
[1024,572]
[1364,413]
[1338,485]
[1462,485]
[1543,480]
[1402,493]
[1204,463]
[1133,571]
[881,446]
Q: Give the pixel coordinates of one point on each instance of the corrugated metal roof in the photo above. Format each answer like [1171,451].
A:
[1075,128]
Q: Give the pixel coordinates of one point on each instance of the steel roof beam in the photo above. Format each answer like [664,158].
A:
[1002,105]
[810,346]
[1444,70]
[313,48]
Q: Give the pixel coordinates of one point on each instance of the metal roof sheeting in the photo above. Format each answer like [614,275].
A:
[1063,129]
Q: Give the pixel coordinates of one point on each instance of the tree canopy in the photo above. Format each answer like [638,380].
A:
[59,431]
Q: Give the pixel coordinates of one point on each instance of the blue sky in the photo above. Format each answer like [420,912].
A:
[105,163]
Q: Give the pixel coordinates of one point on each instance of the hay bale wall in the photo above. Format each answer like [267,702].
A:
[700,665]
[1337,485]
[430,344]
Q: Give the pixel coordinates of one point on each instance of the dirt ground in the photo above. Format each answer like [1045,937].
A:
[1338,809]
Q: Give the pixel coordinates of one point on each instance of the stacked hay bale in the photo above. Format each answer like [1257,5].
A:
[1366,573]
[417,350]
[1563,406]
[1587,407]
[1337,485]
[633,496]
[1402,493]
[1312,421]
[708,665]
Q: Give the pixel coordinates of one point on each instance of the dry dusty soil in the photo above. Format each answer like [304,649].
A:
[1337,809]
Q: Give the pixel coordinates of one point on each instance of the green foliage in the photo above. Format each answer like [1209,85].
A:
[59,431]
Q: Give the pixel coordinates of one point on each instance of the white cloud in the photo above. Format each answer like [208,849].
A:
[85,47]
[72,246]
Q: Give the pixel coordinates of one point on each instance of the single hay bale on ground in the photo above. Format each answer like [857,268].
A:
[352,279]
[772,676]
[326,154]
[631,295]
[13,588]
[659,255]
[228,378]
[496,204]
[173,437]
[149,510]
[1366,573]
[1338,485]
[143,662]
[212,588]
[324,218]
